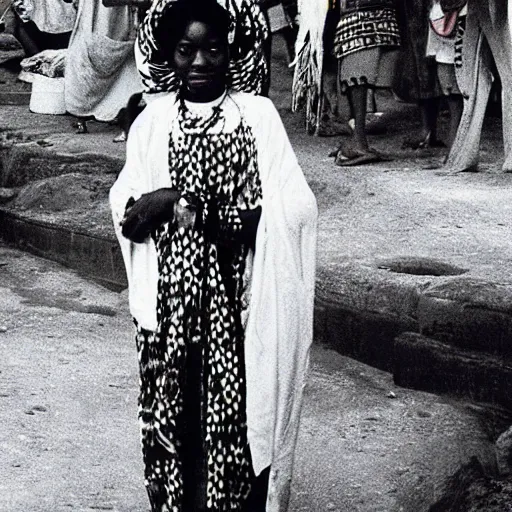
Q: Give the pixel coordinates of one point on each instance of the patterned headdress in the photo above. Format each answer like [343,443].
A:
[248,69]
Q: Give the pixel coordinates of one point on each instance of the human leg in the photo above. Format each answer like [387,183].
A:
[25,34]
[451,91]
[427,136]
[358,97]
[455,106]
[356,73]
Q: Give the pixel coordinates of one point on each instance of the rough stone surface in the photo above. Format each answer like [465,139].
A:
[23,163]
[470,313]
[94,256]
[504,453]
[10,48]
[424,363]
[7,194]
[68,191]
[472,490]
[364,335]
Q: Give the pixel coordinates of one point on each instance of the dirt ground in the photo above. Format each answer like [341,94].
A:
[68,392]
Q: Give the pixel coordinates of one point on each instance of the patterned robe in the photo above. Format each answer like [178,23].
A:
[192,401]
[277,325]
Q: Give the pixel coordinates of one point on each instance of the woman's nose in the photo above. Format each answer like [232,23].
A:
[199,59]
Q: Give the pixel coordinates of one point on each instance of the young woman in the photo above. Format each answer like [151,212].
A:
[218,229]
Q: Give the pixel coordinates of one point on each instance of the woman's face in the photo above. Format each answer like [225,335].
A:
[201,61]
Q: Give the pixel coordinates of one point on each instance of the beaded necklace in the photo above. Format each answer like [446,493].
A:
[192,123]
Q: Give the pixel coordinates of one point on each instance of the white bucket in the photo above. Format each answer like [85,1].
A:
[47,95]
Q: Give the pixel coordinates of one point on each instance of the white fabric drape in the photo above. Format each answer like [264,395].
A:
[53,16]
[488,30]
[101,74]
[279,325]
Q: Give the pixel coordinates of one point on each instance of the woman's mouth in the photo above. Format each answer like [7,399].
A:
[198,79]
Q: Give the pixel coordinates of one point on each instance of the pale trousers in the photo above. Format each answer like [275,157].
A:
[488,32]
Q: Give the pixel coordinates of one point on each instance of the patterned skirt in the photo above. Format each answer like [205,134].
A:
[192,384]
[362,30]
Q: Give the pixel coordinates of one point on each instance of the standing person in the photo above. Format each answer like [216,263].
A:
[443,38]
[488,36]
[217,227]
[101,74]
[416,78]
[366,45]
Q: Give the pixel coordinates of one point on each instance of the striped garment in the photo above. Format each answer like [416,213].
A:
[366,29]
[459,40]
[249,69]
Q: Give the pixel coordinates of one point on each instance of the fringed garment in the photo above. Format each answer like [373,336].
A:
[249,70]
[307,89]
[192,405]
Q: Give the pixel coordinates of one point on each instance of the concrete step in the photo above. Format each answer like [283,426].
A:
[469,313]
[93,256]
[430,365]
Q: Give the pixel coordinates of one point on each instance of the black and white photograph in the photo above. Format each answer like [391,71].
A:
[256,255]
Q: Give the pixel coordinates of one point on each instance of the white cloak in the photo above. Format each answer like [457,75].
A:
[280,320]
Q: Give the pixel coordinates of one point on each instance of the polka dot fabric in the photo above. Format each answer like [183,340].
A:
[199,306]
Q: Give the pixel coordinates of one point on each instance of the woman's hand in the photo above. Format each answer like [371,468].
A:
[184,213]
[147,213]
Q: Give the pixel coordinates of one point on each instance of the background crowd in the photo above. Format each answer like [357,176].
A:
[443,55]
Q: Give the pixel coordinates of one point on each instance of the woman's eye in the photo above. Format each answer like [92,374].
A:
[214,50]
[184,50]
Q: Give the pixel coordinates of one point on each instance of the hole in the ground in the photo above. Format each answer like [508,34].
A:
[417,266]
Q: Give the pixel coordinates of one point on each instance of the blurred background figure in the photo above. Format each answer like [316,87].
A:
[444,41]
[101,74]
[366,45]
[282,19]
[487,47]
[43,24]
[416,77]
